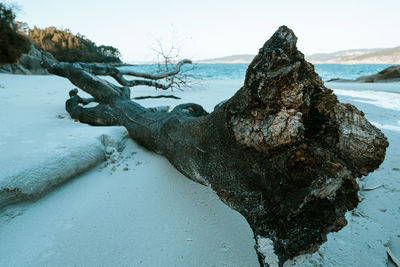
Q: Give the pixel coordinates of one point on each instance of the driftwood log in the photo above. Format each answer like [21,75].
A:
[282,151]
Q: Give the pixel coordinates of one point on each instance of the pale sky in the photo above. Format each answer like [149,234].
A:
[215,28]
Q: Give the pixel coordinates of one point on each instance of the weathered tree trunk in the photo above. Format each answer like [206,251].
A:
[282,151]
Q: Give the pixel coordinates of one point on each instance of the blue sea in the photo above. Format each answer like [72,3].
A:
[237,71]
[379,101]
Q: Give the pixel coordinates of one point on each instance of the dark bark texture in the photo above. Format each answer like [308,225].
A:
[282,151]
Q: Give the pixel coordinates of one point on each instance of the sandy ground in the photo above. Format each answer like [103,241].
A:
[40,145]
[147,215]
[135,209]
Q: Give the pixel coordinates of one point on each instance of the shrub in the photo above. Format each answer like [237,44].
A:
[12,44]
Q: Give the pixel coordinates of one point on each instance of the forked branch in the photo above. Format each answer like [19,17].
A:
[175,70]
[118,74]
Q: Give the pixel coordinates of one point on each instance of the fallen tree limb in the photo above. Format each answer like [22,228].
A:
[157,96]
[282,151]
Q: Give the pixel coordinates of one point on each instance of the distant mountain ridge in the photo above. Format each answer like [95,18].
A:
[353,56]
[245,58]
[358,56]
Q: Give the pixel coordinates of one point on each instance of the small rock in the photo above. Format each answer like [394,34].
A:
[110,150]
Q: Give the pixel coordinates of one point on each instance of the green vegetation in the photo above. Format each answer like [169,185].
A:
[16,39]
[12,44]
[68,47]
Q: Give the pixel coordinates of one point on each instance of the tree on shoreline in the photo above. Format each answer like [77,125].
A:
[16,39]
[67,47]
[12,44]
[283,151]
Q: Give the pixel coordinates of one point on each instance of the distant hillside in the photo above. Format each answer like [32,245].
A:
[68,47]
[358,56]
[354,56]
[228,60]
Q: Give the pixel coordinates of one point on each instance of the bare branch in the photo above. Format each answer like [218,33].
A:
[157,76]
[117,74]
[154,84]
[103,91]
[80,100]
[157,96]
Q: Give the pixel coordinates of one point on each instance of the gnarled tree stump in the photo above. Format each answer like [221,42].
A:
[282,151]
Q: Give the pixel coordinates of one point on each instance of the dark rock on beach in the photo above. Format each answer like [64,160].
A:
[28,63]
[390,74]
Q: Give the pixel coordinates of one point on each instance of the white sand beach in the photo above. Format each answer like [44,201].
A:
[135,209]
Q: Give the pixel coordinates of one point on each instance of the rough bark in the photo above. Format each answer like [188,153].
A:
[282,151]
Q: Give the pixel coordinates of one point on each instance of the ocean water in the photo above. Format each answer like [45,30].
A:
[238,71]
[382,100]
